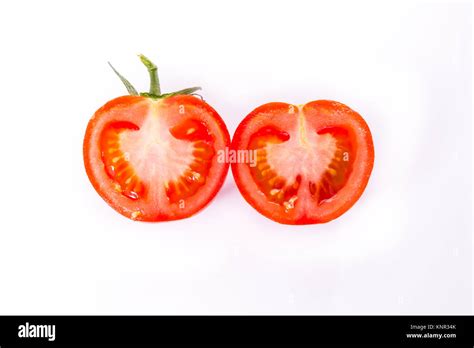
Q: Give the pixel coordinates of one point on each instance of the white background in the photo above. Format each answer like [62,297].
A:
[405,247]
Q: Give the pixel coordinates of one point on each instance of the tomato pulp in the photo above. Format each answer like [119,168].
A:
[313,161]
[153,156]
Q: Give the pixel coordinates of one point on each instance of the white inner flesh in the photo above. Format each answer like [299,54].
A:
[306,153]
[154,154]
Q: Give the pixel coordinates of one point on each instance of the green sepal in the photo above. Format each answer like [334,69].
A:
[186,91]
[131,90]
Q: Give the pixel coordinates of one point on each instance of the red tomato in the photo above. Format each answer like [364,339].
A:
[152,156]
[312,162]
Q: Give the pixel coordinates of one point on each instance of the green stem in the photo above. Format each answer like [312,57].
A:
[153,71]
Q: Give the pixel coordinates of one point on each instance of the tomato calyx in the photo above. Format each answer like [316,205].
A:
[155,90]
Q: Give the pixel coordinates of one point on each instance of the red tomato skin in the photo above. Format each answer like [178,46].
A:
[347,201]
[129,101]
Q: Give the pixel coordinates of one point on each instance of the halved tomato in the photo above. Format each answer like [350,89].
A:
[153,156]
[312,162]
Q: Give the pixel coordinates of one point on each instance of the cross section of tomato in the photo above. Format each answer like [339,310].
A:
[312,162]
[153,156]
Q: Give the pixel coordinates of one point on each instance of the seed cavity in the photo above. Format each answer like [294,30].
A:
[339,169]
[275,187]
[195,176]
[116,162]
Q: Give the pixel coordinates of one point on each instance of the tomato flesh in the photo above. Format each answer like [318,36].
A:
[155,160]
[313,161]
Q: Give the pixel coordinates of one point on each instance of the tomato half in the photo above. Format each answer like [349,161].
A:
[312,162]
[153,157]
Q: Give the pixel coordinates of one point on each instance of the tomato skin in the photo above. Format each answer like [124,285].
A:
[330,113]
[134,105]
